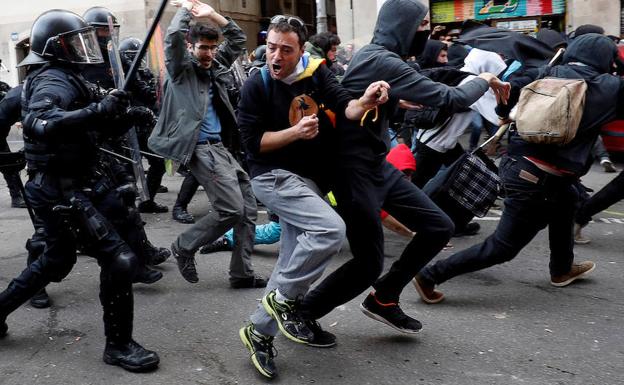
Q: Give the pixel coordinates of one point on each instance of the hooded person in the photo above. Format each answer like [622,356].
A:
[539,178]
[434,55]
[440,145]
[552,38]
[365,182]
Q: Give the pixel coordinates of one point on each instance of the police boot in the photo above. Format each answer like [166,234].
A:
[41,300]
[35,248]
[20,290]
[156,255]
[3,328]
[121,349]
[13,183]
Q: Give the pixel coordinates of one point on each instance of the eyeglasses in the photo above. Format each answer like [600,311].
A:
[292,20]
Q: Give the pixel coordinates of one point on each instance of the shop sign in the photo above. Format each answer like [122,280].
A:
[444,11]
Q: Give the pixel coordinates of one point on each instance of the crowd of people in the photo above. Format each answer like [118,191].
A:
[334,143]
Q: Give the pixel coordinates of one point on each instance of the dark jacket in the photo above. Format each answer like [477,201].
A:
[589,57]
[185,99]
[397,23]
[261,110]
[10,110]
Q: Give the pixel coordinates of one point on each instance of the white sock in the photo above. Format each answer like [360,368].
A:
[279,297]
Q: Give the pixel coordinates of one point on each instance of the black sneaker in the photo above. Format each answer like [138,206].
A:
[390,314]
[157,255]
[322,338]
[288,319]
[131,356]
[147,276]
[261,349]
[220,244]
[186,265]
[181,215]
[471,228]
[162,189]
[152,207]
[41,300]
[253,282]
[3,328]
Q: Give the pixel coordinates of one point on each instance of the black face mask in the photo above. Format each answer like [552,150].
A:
[419,42]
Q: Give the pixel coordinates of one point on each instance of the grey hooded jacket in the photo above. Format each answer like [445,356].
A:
[383,59]
[185,99]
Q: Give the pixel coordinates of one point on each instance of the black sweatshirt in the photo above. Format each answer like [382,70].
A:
[261,110]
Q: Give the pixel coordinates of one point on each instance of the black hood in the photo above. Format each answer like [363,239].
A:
[514,45]
[456,55]
[552,38]
[397,24]
[594,50]
[429,57]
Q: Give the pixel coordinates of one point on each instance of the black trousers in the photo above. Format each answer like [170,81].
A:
[429,162]
[12,178]
[118,264]
[187,191]
[361,195]
[610,194]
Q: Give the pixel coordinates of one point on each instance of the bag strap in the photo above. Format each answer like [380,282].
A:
[266,78]
[438,131]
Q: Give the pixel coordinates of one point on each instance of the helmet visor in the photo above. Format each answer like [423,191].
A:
[80,46]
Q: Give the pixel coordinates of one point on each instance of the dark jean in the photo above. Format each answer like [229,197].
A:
[610,194]
[360,197]
[429,162]
[529,207]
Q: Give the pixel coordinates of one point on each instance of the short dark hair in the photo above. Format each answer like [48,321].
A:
[284,26]
[202,31]
[325,41]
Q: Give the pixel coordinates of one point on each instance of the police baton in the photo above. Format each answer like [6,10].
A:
[139,56]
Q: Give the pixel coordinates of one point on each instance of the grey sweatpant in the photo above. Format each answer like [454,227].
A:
[312,232]
[233,205]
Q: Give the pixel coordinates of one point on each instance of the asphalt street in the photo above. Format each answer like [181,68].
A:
[504,325]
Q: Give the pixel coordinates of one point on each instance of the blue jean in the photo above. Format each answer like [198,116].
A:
[529,208]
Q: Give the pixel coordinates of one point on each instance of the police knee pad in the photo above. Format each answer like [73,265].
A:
[123,266]
[56,271]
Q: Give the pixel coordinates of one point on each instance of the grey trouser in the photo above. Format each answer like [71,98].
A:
[233,205]
[312,232]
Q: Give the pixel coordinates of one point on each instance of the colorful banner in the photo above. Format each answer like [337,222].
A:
[445,11]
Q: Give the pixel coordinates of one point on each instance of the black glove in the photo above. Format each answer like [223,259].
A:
[115,103]
[141,116]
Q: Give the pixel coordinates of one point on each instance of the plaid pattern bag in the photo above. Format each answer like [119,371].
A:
[474,182]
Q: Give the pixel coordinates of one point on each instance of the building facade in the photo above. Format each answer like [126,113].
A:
[356,19]
[135,17]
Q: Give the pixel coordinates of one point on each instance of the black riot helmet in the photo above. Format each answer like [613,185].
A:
[60,35]
[129,47]
[97,17]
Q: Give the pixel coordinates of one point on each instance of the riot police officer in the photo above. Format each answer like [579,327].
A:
[143,90]
[101,75]
[62,120]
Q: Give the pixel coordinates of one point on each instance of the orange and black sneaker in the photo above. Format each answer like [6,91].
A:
[390,314]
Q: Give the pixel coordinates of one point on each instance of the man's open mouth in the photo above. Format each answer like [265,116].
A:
[276,68]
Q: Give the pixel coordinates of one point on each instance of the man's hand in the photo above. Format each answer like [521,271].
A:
[188,4]
[113,104]
[307,128]
[407,105]
[375,94]
[201,9]
[501,89]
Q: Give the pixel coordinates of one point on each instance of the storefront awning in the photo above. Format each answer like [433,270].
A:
[446,11]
